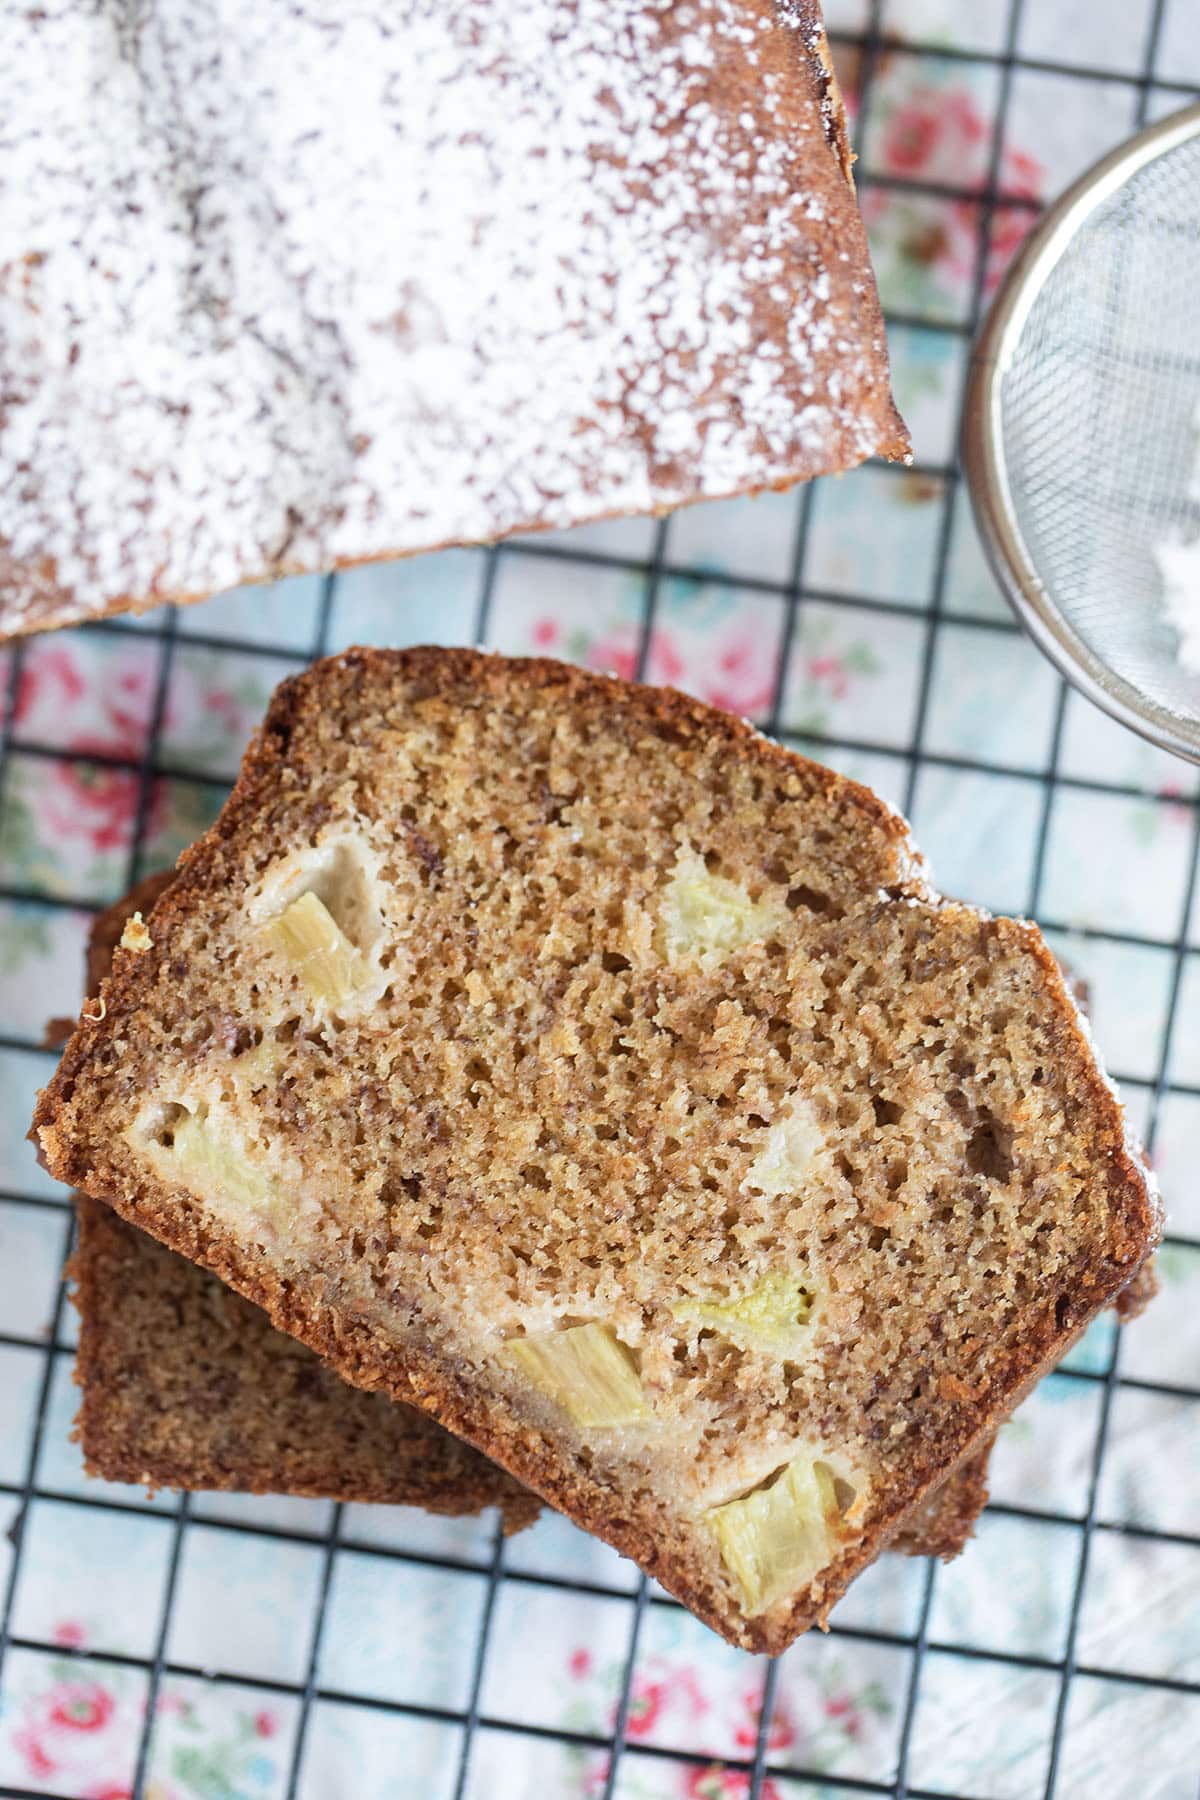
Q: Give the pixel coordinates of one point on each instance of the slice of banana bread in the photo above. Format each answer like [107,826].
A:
[186,1384]
[564,1058]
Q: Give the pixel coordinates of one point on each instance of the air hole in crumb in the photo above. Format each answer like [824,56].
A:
[536,1177]
[878,1236]
[988,1151]
[399,1190]
[811,899]
[612,963]
[1062,1312]
[844,1491]
[712,861]
[887,1112]
[163,1129]
[431,1223]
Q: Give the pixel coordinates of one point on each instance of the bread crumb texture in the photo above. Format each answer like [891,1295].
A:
[565,1058]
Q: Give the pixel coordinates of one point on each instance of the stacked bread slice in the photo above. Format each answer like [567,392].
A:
[564,1060]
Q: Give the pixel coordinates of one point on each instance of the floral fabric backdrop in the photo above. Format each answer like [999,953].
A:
[858,621]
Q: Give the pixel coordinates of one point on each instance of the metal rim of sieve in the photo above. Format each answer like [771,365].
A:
[983,448]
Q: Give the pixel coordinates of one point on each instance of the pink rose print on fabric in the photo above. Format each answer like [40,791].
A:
[652,1694]
[664,664]
[51,679]
[933,135]
[831,671]
[645,1706]
[716,1783]
[615,654]
[130,703]
[734,670]
[38,1761]
[265,1723]
[846,1712]
[66,1729]
[781,1733]
[95,805]
[743,675]
[80,1706]
[97,802]
[69,1633]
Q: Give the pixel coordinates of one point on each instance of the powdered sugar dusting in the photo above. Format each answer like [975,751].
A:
[287,285]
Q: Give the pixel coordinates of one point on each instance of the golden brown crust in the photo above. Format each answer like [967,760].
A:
[946,1519]
[1133,1300]
[359,1349]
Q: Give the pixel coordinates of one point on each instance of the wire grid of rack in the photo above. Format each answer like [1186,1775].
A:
[616,1750]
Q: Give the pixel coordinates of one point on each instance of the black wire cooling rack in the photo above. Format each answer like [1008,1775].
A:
[881,34]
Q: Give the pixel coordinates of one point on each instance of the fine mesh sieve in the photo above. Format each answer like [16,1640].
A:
[1082,428]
